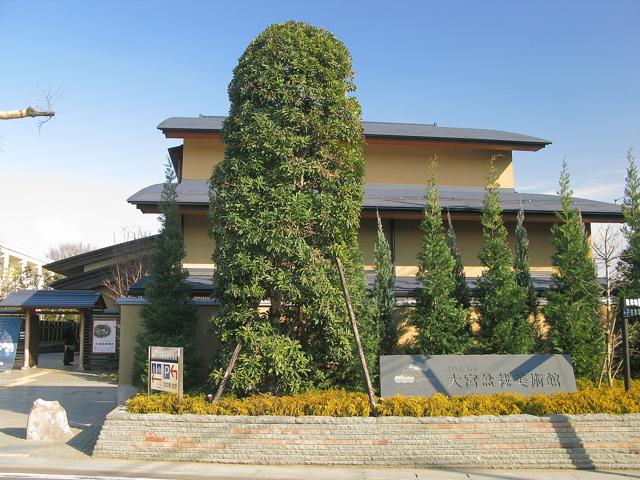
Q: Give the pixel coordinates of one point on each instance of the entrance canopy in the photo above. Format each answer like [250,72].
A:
[54,299]
[31,302]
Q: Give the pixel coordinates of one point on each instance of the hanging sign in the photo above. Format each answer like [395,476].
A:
[165,369]
[9,335]
[104,336]
[424,375]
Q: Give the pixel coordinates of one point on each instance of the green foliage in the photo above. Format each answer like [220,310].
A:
[338,403]
[168,315]
[384,295]
[443,325]
[630,259]
[285,201]
[503,312]
[572,309]
[522,263]
[462,290]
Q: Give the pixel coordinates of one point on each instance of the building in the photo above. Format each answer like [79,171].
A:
[15,262]
[396,157]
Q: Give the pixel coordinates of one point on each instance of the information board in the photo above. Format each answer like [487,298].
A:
[165,369]
[424,375]
[104,336]
[9,335]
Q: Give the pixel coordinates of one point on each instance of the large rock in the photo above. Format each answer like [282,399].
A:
[47,421]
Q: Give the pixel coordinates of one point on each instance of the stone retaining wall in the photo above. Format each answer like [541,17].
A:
[515,441]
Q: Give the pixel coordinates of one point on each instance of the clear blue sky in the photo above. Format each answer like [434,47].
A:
[567,71]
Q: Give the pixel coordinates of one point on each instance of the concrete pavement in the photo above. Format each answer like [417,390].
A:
[88,397]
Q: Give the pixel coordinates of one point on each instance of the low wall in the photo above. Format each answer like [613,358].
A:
[516,441]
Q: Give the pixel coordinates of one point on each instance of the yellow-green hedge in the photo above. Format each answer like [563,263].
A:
[339,403]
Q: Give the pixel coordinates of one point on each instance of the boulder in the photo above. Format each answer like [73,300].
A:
[47,421]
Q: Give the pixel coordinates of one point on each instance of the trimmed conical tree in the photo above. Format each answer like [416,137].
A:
[462,289]
[503,314]
[572,308]
[630,259]
[522,263]
[286,201]
[168,315]
[383,293]
[443,325]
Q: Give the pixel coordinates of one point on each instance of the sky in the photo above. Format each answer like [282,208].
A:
[566,71]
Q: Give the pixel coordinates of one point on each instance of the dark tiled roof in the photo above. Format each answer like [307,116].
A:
[195,193]
[202,285]
[91,279]
[409,131]
[72,299]
[77,262]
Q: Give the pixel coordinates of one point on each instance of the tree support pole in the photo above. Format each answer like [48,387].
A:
[625,350]
[227,372]
[356,334]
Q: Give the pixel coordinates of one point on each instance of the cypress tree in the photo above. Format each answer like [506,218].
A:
[168,315]
[502,311]
[383,293]
[462,290]
[573,306]
[522,263]
[285,201]
[443,325]
[630,259]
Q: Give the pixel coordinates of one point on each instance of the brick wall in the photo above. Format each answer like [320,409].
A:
[517,441]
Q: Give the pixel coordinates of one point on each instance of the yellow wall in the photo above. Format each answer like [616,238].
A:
[199,157]
[385,163]
[197,243]
[469,235]
[131,325]
[398,163]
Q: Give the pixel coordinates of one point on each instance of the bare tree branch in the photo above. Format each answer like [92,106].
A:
[24,113]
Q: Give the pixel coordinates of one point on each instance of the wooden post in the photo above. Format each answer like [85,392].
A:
[356,334]
[81,360]
[27,335]
[227,372]
[626,363]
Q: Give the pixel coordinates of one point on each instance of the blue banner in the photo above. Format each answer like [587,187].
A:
[9,335]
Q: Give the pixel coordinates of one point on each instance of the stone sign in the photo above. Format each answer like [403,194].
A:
[165,369]
[424,375]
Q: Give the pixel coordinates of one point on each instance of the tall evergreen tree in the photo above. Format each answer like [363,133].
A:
[383,293]
[573,306]
[442,323]
[462,290]
[522,264]
[285,201]
[503,312]
[630,258]
[168,315]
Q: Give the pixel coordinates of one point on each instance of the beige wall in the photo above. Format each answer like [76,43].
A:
[199,246]
[385,163]
[131,325]
[407,163]
[197,243]
[469,235]
[199,157]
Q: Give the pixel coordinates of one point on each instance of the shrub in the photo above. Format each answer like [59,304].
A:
[340,403]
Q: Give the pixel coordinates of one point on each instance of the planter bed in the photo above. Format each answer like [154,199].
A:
[512,441]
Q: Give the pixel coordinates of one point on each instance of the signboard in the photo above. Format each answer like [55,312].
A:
[165,369]
[9,335]
[104,336]
[424,375]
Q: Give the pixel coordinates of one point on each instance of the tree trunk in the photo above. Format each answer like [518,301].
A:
[24,113]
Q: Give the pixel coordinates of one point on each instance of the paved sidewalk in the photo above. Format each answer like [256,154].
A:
[86,396]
